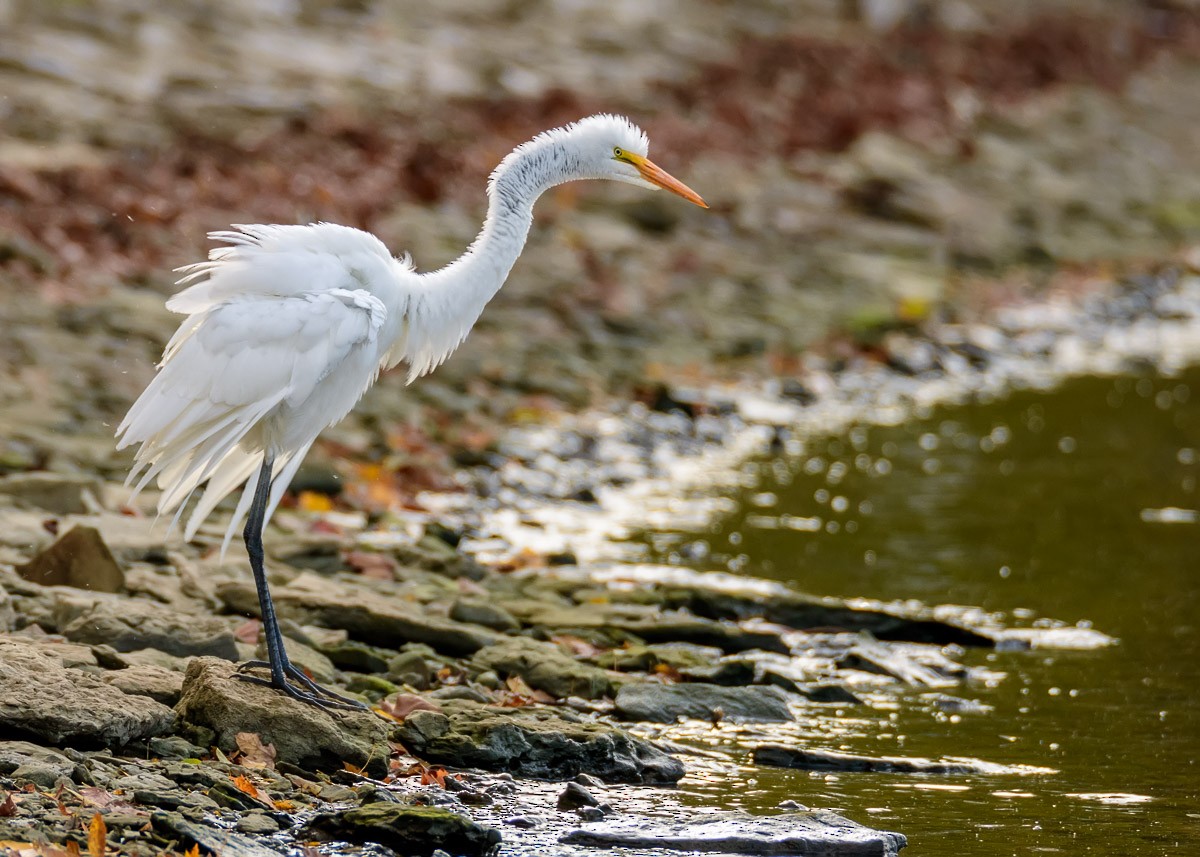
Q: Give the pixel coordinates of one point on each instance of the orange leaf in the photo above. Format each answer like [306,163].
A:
[8,807]
[246,787]
[285,806]
[311,501]
[194,851]
[97,836]
[73,848]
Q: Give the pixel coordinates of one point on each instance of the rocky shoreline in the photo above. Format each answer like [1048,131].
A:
[525,700]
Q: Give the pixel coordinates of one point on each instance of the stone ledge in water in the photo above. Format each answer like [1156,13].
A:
[41,697]
[812,759]
[666,703]
[795,833]
[534,742]
[416,831]
[303,734]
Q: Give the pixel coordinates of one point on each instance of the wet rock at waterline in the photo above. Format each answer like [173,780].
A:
[303,734]
[666,703]
[42,697]
[814,759]
[534,742]
[408,830]
[794,833]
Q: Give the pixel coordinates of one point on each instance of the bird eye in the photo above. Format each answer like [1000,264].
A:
[618,152]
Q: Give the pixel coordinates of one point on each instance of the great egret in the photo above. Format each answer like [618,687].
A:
[288,326]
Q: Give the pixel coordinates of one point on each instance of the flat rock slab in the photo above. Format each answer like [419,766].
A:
[534,742]
[303,734]
[133,624]
[666,703]
[172,826]
[310,599]
[27,762]
[411,830]
[812,759]
[796,833]
[41,697]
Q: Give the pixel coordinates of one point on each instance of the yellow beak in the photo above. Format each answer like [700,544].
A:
[656,175]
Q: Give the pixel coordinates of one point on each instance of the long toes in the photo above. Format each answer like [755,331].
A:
[324,691]
[253,665]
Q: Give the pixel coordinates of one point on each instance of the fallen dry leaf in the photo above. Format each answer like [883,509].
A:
[255,754]
[247,632]
[8,807]
[376,566]
[403,704]
[97,836]
[311,501]
[243,784]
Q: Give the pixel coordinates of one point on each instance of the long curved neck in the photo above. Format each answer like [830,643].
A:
[474,278]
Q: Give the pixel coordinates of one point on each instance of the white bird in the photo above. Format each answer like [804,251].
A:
[288,326]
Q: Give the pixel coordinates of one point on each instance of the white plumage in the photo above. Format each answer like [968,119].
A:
[288,326]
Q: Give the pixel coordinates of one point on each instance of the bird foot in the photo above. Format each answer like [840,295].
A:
[314,694]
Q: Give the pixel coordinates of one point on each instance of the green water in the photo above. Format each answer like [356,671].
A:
[1034,503]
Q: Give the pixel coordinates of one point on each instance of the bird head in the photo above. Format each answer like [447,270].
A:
[612,147]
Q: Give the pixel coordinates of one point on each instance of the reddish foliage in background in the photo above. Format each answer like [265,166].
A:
[74,230]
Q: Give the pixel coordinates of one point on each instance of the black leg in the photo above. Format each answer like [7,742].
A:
[277,660]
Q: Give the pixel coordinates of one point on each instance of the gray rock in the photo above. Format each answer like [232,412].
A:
[666,703]
[54,492]
[545,666]
[39,696]
[30,763]
[371,619]
[409,830]
[829,692]
[793,833]
[476,611]
[410,668]
[80,559]
[814,759]
[228,843]
[868,656]
[257,823]
[158,683]
[134,624]
[574,796]
[534,742]
[303,734]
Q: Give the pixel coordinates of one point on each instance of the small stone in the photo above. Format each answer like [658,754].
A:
[80,559]
[479,612]
[257,823]
[175,747]
[574,796]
